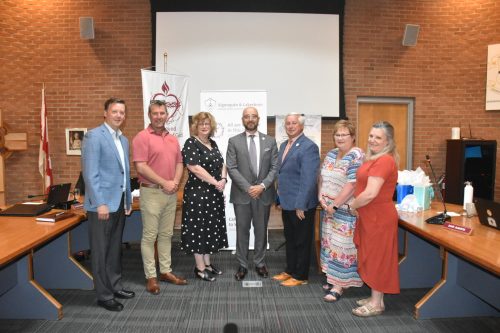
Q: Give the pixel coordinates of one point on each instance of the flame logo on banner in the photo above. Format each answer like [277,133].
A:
[172,102]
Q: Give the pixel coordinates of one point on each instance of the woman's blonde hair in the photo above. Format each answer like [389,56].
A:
[200,117]
[391,144]
[344,124]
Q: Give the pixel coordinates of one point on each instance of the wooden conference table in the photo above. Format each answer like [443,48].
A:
[38,256]
[463,270]
[35,257]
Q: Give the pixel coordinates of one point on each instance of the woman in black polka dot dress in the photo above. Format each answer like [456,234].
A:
[203,229]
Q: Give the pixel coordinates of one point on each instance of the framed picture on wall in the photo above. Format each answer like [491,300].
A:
[493,78]
[74,138]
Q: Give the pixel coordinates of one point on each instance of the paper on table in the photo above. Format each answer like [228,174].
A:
[450,214]
[33,203]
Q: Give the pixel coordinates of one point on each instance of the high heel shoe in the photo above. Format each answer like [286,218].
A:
[203,275]
[212,269]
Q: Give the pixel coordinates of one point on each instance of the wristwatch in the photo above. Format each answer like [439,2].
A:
[335,207]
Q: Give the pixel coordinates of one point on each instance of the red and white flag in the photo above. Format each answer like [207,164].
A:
[44,164]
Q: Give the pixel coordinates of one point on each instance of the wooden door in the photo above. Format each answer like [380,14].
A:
[398,113]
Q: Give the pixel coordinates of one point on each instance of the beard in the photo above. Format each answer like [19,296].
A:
[251,126]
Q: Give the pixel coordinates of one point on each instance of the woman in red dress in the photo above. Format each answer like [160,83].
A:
[375,236]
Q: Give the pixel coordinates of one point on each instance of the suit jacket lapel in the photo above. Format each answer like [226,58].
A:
[244,145]
[262,148]
[293,148]
[262,144]
[280,154]
[111,142]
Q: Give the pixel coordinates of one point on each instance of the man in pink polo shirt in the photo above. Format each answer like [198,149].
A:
[158,161]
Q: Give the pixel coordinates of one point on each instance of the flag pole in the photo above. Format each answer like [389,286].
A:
[42,134]
[165,55]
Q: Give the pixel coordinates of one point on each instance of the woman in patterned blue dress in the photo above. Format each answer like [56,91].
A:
[336,188]
[203,229]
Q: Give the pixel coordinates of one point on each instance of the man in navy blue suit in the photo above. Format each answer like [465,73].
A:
[297,191]
[106,171]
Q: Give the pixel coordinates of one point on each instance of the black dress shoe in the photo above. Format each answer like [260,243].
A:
[124,294]
[262,271]
[111,305]
[240,274]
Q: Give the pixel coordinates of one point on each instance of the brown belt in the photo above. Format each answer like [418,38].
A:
[150,185]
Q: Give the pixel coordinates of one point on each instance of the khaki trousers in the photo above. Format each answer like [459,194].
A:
[158,217]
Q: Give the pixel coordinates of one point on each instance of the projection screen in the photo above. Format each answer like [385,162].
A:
[295,57]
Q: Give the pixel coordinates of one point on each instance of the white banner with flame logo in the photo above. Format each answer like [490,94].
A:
[227,107]
[172,89]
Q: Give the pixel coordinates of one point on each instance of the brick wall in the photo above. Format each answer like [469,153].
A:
[445,72]
[40,43]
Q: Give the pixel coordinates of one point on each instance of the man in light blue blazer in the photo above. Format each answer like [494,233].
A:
[298,198]
[106,171]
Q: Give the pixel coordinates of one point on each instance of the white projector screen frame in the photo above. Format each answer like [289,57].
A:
[294,57]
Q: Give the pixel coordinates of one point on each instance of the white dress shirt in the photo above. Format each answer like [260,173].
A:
[116,138]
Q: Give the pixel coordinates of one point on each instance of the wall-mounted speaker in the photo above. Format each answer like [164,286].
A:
[86,27]
[411,34]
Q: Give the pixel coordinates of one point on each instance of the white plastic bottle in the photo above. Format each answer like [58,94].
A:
[468,194]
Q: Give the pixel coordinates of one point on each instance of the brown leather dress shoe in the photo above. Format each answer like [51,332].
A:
[171,278]
[291,282]
[283,276]
[152,286]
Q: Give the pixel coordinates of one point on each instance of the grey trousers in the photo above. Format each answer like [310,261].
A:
[105,246]
[256,214]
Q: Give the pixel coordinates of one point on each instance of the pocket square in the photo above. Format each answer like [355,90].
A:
[267,149]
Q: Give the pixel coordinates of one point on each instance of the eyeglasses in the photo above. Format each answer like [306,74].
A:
[250,116]
[338,136]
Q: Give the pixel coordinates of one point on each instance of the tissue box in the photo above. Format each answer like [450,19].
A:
[424,194]
[402,191]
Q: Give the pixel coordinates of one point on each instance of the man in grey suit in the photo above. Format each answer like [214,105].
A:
[252,164]
[106,171]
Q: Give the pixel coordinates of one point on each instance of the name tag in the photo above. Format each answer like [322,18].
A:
[458,228]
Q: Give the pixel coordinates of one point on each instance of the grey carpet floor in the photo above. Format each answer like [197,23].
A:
[209,307]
